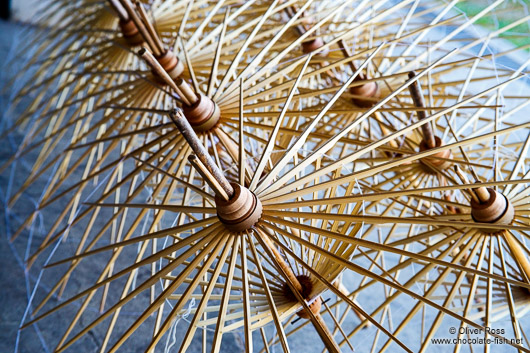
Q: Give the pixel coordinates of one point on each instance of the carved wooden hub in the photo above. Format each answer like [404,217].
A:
[307,289]
[498,210]
[434,160]
[131,33]
[241,211]
[171,64]
[203,114]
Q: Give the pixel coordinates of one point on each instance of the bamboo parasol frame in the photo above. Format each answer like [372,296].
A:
[282,180]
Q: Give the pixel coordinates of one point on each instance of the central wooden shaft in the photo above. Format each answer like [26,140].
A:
[429,140]
[191,137]
[417,98]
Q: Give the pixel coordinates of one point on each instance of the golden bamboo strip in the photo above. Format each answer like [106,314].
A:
[380,247]
[270,299]
[150,28]
[208,177]
[206,297]
[209,247]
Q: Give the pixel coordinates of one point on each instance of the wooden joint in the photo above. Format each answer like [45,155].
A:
[305,292]
[306,288]
[315,307]
[367,90]
[241,212]
[496,210]
[436,160]
[313,45]
[364,93]
[159,71]
[171,64]
[203,115]
[130,32]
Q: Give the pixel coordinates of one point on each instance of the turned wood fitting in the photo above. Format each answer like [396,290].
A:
[432,159]
[203,114]
[312,45]
[241,212]
[497,210]
[452,209]
[130,32]
[307,288]
[171,64]
[315,307]
[368,90]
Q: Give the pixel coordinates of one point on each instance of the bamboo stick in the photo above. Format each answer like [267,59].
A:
[519,254]
[479,194]
[281,262]
[482,194]
[242,156]
[120,11]
[150,28]
[207,176]
[187,91]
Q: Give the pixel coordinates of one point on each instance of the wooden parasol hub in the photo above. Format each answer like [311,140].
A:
[368,90]
[165,57]
[495,208]
[201,111]
[306,292]
[491,207]
[240,210]
[128,28]
[439,160]
[488,205]
[312,44]
[237,207]
[130,33]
